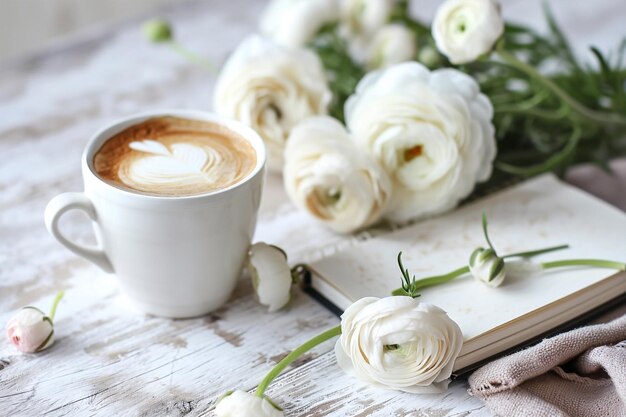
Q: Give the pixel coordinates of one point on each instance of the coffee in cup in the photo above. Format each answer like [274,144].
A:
[172,156]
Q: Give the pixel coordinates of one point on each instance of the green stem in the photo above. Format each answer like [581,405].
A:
[530,254]
[193,57]
[55,303]
[549,164]
[295,354]
[487,234]
[522,106]
[297,273]
[441,279]
[435,280]
[557,114]
[584,111]
[599,263]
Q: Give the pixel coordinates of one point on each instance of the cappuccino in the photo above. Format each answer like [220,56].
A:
[171,156]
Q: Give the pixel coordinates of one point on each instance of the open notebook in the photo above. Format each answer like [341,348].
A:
[539,213]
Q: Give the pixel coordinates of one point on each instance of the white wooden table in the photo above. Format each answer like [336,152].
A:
[110,359]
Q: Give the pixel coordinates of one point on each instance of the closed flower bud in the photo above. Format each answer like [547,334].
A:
[429,57]
[392,44]
[157,31]
[464,30]
[487,267]
[243,404]
[30,330]
[271,276]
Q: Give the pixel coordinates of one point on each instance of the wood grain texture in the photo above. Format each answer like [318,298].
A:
[108,358]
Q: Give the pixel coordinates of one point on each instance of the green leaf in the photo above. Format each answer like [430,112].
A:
[342,72]
[496,269]
[560,41]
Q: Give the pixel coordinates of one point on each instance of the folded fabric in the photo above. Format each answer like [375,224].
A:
[581,373]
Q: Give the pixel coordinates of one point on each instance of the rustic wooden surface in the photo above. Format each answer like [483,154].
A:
[110,359]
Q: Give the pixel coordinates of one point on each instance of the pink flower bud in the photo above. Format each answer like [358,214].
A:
[30,330]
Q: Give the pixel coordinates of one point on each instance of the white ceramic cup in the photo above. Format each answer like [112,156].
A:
[173,256]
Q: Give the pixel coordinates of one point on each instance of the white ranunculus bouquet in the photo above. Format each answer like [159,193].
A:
[435,108]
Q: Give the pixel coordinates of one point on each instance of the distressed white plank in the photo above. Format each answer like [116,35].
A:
[111,360]
[302,394]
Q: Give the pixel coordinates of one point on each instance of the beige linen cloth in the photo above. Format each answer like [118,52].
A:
[581,373]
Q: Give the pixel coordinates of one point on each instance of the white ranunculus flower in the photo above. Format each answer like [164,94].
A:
[271,89]
[328,176]
[365,17]
[466,29]
[391,45]
[243,404]
[431,131]
[486,267]
[294,22]
[399,343]
[360,20]
[30,330]
[271,275]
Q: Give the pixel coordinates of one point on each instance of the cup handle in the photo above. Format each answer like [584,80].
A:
[63,203]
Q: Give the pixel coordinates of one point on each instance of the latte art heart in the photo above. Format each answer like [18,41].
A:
[182,164]
[183,158]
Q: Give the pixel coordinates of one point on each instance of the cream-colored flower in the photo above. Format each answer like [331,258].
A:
[30,330]
[391,45]
[360,21]
[399,343]
[431,132]
[328,176]
[271,89]
[243,404]
[271,276]
[365,17]
[466,29]
[293,23]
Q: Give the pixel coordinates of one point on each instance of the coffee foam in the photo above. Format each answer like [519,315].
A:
[175,157]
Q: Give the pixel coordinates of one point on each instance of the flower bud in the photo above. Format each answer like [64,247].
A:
[392,44]
[466,30]
[157,31]
[241,403]
[271,276]
[487,267]
[429,57]
[30,330]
